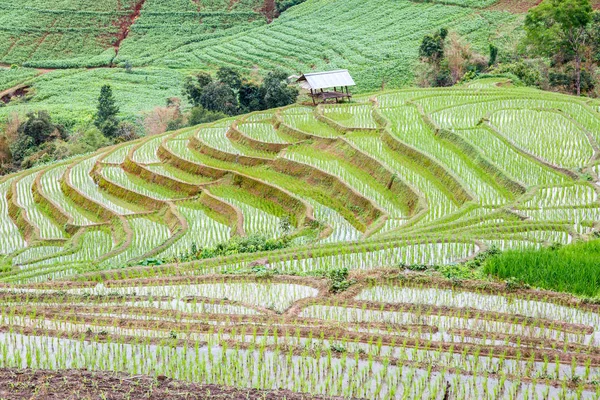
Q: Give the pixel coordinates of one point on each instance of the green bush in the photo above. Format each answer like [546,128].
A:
[283,5]
[253,243]
[200,115]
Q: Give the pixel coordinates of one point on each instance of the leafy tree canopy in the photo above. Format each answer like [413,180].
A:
[432,46]
[218,96]
[277,91]
[230,77]
[193,86]
[561,28]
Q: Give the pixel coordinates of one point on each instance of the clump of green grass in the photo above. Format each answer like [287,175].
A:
[573,268]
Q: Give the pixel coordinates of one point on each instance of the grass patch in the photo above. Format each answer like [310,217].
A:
[573,268]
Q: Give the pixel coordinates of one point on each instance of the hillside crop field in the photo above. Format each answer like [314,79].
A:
[65,48]
[94,273]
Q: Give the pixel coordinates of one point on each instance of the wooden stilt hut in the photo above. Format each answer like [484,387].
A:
[318,82]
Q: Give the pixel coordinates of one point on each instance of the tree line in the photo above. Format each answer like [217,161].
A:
[38,139]
[560,50]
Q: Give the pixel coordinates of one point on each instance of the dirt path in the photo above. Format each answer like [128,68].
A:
[18,90]
[15,91]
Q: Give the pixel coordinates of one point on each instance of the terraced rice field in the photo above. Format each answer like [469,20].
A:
[93,273]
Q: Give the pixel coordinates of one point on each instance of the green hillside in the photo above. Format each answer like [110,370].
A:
[165,40]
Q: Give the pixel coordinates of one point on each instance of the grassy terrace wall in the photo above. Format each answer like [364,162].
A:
[162,180]
[203,148]
[30,232]
[467,149]
[229,212]
[363,209]
[124,193]
[346,151]
[445,178]
[302,212]
[167,156]
[238,136]
[82,200]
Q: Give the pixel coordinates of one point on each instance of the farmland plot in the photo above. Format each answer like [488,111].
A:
[162,273]
[431,181]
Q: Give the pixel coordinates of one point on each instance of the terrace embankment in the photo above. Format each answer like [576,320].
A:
[444,179]
[30,232]
[159,179]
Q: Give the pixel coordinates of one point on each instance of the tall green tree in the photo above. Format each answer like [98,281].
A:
[106,114]
[219,97]
[561,27]
[35,133]
[230,77]
[431,49]
[193,86]
[252,97]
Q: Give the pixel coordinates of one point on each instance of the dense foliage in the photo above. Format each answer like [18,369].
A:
[253,243]
[36,132]
[446,59]
[561,29]
[230,94]
[283,5]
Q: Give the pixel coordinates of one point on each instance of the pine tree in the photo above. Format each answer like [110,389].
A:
[106,115]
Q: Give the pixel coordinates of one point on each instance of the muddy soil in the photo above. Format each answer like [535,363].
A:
[78,384]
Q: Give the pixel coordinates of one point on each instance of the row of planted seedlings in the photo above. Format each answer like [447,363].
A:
[219,164]
[345,148]
[269,294]
[265,134]
[306,356]
[284,176]
[427,249]
[119,153]
[45,197]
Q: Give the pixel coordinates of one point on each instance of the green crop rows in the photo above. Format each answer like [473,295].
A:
[64,47]
[96,268]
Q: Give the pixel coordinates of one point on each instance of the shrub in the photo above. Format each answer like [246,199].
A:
[277,91]
[193,86]
[339,279]
[160,119]
[283,5]
[200,115]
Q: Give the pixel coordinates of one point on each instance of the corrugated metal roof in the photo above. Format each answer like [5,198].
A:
[327,79]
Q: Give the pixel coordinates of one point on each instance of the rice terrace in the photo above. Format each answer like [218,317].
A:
[290,199]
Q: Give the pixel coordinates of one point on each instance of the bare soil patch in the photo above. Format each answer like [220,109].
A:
[79,384]
[15,92]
